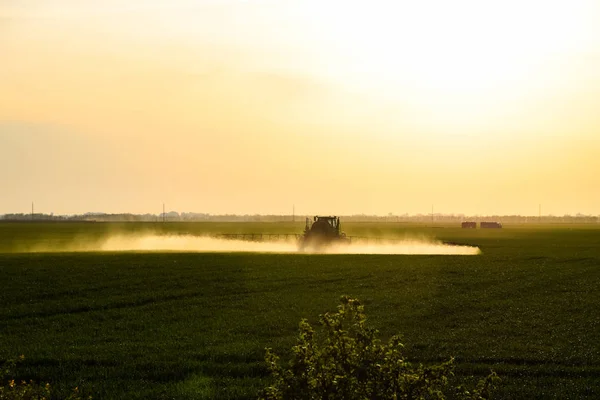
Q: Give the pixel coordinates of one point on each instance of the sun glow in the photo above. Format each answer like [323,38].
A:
[459,64]
[453,46]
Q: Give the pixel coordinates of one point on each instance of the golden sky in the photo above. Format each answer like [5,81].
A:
[338,107]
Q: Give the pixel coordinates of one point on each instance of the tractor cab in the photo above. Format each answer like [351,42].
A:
[322,231]
[323,226]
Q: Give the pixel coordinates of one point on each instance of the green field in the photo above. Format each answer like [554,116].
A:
[195,325]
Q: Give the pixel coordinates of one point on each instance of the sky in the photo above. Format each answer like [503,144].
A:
[334,107]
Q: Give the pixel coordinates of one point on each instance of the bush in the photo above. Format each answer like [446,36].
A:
[10,389]
[347,361]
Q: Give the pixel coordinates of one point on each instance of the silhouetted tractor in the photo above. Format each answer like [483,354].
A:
[322,232]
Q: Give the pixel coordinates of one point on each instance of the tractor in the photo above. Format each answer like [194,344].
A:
[323,231]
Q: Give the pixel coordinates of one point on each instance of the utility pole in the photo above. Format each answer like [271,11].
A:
[540,213]
[294,213]
[32,210]
[164,215]
[432,214]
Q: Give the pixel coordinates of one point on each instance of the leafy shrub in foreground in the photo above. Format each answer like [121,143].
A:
[347,361]
[22,390]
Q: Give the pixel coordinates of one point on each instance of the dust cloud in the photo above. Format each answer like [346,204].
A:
[403,247]
[205,244]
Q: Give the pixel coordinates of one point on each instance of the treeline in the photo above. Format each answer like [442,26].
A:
[174,216]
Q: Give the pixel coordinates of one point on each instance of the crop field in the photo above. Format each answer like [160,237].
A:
[194,325]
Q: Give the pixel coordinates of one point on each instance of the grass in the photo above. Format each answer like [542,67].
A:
[191,325]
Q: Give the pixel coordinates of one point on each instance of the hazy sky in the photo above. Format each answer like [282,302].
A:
[337,107]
